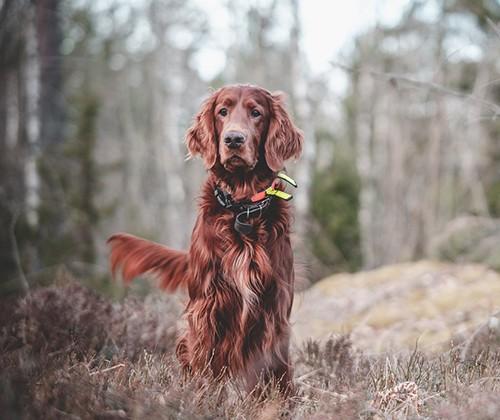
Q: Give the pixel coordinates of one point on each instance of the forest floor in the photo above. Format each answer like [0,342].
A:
[67,352]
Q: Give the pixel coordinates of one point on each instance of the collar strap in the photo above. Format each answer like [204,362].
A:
[258,202]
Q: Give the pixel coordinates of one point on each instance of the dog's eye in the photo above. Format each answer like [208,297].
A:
[223,112]
[255,113]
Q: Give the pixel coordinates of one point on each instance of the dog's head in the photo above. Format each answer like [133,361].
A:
[239,126]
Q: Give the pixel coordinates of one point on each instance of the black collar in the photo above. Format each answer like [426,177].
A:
[258,203]
[243,209]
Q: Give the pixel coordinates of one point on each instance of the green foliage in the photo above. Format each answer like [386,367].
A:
[67,213]
[493,197]
[81,150]
[493,173]
[335,205]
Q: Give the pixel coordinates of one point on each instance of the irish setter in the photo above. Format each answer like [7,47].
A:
[239,267]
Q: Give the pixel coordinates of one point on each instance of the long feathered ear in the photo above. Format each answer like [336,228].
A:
[200,137]
[284,140]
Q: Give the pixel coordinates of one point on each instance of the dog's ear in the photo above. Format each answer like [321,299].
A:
[200,137]
[284,140]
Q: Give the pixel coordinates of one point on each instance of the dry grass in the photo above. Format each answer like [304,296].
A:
[68,353]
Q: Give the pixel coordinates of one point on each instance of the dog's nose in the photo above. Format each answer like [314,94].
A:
[234,139]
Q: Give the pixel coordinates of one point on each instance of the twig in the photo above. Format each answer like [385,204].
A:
[308,374]
[324,391]
[108,369]
[488,378]
[493,26]
[63,350]
[391,77]
[65,414]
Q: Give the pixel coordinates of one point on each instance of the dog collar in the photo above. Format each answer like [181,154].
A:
[257,204]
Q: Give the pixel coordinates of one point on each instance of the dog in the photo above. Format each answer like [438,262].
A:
[239,269]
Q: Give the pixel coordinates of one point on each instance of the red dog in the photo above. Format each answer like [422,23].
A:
[239,267]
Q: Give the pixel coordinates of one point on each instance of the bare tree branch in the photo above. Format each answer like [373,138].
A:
[394,77]
[495,28]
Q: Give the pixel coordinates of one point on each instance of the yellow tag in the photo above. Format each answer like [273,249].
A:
[277,193]
[286,178]
[283,195]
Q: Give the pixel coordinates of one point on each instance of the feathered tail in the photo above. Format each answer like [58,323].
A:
[135,256]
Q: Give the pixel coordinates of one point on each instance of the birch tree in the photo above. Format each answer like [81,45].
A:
[421,137]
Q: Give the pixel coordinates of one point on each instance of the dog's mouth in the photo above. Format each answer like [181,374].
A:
[237,163]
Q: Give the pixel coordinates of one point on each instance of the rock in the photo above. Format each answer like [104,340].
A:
[484,340]
[469,239]
[396,306]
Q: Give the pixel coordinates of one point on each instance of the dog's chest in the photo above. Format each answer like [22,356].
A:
[247,268]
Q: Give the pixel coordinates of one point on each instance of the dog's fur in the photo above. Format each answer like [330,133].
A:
[240,286]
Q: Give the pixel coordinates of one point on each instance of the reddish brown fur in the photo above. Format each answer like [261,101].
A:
[135,256]
[240,287]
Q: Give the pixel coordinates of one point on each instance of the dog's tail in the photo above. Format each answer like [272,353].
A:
[135,256]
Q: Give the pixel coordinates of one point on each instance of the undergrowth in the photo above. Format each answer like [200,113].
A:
[66,352]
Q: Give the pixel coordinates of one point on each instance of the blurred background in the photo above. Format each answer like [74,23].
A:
[399,102]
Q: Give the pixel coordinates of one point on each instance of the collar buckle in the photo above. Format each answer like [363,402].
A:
[223,198]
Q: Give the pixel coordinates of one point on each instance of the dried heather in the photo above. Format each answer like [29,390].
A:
[66,352]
